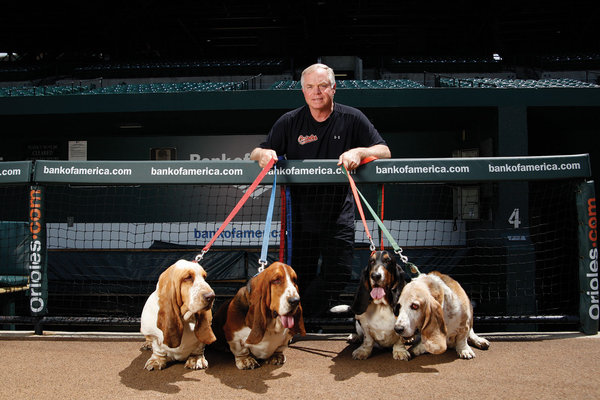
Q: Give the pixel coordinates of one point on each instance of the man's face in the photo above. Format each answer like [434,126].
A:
[317,90]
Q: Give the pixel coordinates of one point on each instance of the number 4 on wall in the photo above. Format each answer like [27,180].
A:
[514,219]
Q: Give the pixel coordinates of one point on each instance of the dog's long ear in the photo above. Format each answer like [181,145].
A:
[203,328]
[169,320]
[362,298]
[260,298]
[433,332]
[400,280]
[298,323]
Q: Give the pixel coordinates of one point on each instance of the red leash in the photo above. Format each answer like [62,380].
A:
[367,160]
[359,206]
[357,199]
[382,208]
[239,205]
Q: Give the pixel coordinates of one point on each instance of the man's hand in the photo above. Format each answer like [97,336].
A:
[263,156]
[351,159]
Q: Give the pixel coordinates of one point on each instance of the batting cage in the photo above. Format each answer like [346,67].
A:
[82,243]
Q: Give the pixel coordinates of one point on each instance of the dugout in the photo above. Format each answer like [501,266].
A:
[418,123]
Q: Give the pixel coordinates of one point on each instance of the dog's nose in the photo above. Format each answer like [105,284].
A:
[208,297]
[399,329]
[376,276]
[294,301]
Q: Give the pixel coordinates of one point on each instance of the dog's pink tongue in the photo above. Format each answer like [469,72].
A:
[377,293]
[288,322]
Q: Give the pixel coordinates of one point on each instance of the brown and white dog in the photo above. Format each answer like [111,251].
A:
[437,307]
[261,319]
[381,283]
[176,319]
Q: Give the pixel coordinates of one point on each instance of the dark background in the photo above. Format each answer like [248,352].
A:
[112,45]
[134,30]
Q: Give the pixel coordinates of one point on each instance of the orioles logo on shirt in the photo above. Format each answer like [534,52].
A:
[307,139]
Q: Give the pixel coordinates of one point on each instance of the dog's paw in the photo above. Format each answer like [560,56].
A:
[147,345]
[466,353]
[481,343]
[276,359]
[155,362]
[196,362]
[361,353]
[401,354]
[246,362]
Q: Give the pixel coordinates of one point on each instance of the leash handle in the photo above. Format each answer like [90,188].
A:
[367,160]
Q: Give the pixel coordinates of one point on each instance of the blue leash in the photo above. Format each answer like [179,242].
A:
[288,225]
[265,246]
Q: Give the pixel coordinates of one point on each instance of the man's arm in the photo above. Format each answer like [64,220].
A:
[351,159]
[263,156]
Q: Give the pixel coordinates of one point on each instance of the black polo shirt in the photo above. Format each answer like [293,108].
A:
[297,136]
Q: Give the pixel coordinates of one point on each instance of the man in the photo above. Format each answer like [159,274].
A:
[322,215]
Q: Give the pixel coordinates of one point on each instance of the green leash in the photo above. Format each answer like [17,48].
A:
[397,249]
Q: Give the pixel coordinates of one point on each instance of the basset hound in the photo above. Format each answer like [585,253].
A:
[177,317]
[437,307]
[381,283]
[261,319]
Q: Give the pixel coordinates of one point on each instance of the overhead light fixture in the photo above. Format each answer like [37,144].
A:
[5,55]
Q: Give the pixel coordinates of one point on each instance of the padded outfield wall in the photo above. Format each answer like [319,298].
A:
[521,245]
